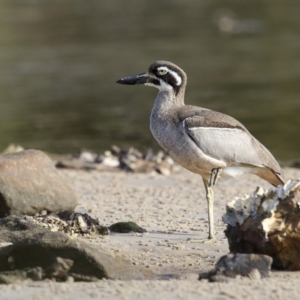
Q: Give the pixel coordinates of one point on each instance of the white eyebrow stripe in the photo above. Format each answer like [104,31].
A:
[174,74]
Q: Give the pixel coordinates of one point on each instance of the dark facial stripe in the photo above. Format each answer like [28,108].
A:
[154,81]
[168,77]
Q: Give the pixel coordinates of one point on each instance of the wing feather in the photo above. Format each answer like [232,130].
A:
[228,141]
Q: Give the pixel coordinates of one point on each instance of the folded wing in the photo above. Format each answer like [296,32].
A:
[229,141]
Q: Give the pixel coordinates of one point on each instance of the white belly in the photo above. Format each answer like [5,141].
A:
[234,171]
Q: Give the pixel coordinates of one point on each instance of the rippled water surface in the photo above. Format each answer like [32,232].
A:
[60,60]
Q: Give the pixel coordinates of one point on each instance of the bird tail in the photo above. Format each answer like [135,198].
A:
[273,177]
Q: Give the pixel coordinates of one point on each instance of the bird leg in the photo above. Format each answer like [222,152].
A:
[214,174]
[210,204]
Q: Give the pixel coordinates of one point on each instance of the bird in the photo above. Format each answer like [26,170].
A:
[206,142]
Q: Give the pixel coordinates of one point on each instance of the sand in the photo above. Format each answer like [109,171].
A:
[173,210]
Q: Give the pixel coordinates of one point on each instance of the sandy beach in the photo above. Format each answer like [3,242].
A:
[173,210]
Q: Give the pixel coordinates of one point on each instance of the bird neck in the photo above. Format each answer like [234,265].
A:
[167,99]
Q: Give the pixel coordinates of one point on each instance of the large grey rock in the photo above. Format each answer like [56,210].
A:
[29,183]
[34,248]
[253,266]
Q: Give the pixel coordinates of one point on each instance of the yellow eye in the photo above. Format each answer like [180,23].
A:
[162,71]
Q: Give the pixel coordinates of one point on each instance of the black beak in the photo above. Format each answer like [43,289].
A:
[136,79]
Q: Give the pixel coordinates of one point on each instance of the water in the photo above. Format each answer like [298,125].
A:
[59,61]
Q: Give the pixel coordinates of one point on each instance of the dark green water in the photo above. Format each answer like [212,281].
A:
[59,61]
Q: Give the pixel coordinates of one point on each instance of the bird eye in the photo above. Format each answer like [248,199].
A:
[162,71]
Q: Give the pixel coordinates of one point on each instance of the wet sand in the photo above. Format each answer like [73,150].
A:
[173,210]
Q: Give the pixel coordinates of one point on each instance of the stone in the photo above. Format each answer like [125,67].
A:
[253,266]
[125,227]
[267,222]
[29,183]
[131,160]
[57,255]
[74,224]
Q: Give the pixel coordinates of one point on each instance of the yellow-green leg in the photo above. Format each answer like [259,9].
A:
[210,204]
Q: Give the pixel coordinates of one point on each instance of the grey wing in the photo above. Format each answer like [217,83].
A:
[228,141]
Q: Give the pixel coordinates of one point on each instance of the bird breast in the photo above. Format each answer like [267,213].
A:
[172,137]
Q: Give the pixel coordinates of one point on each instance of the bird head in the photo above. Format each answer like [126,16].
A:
[163,75]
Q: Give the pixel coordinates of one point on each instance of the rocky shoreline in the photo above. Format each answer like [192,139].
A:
[173,211]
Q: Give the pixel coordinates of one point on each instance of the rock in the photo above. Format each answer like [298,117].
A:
[130,160]
[291,164]
[29,183]
[125,227]
[75,163]
[267,223]
[59,270]
[10,277]
[296,164]
[69,222]
[12,148]
[253,266]
[58,256]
